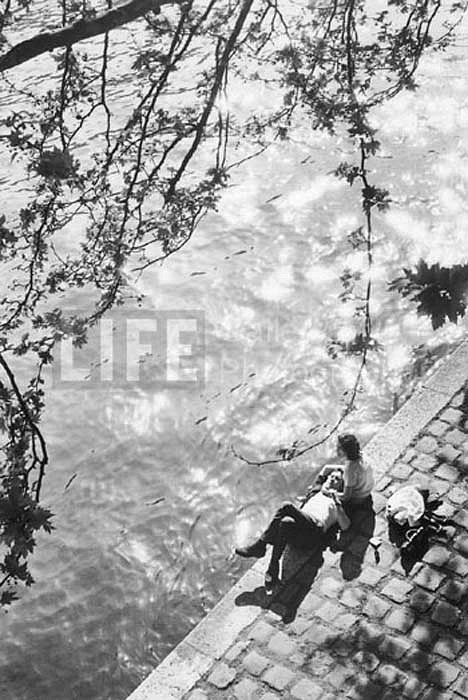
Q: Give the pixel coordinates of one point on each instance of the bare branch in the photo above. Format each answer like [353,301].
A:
[221,69]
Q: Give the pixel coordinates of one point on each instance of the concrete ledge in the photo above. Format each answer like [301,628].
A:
[207,642]
[452,372]
[175,675]
[216,632]
[211,638]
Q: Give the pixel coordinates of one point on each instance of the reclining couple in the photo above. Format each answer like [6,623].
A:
[349,483]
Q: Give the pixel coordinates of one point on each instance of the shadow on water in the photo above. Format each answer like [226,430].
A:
[301,567]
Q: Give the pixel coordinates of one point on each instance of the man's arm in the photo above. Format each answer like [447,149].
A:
[311,491]
[343,521]
[316,486]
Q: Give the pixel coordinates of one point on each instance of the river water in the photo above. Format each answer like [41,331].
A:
[145,530]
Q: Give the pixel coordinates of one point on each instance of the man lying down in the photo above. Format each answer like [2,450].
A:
[302,527]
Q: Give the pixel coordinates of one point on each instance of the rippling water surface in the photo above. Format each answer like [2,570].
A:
[123,579]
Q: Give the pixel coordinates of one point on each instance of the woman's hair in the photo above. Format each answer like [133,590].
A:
[350,446]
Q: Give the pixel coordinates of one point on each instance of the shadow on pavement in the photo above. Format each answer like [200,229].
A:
[301,567]
[299,571]
[370,662]
[355,541]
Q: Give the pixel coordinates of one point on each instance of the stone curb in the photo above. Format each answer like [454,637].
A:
[206,643]
[209,640]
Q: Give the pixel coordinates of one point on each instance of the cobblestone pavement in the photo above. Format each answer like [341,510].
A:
[345,625]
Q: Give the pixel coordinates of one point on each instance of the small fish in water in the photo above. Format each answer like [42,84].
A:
[156,501]
[70,481]
[272,199]
[200,420]
[193,526]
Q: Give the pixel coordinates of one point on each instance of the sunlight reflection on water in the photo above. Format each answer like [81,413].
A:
[121,581]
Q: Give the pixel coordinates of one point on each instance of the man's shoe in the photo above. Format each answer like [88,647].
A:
[256,550]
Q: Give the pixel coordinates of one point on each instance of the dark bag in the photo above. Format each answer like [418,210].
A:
[413,540]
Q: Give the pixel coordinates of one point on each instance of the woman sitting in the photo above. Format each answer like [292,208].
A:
[357,474]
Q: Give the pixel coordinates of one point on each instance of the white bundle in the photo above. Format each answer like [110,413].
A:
[406,506]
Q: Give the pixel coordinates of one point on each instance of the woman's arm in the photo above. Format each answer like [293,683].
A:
[316,485]
[349,481]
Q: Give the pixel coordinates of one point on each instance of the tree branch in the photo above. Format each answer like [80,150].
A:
[220,73]
[35,430]
[80,30]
